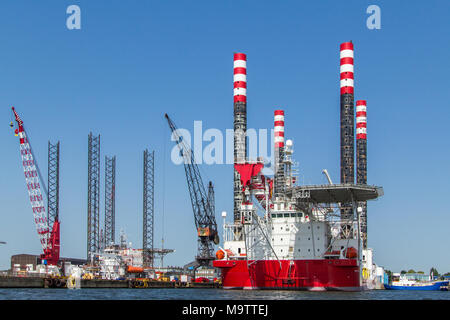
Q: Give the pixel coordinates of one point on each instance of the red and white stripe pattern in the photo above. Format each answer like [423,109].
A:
[347,67]
[33,184]
[279,129]
[240,77]
[361,119]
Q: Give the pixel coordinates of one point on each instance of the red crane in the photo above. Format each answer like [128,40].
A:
[50,239]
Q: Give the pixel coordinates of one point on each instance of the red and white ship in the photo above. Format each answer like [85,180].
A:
[285,236]
[296,243]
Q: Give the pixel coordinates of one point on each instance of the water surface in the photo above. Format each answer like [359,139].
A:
[213,294]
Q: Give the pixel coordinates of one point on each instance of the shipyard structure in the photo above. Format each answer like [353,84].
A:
[282,235]
[105,259]
[287,236]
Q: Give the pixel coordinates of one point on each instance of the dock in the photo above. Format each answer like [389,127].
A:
[36,282]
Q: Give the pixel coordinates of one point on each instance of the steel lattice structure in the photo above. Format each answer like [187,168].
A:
[49,239]
[204,215]
[148,208]
[361,160]
[211,197]
[347,128]
[279,175]
[110,200]
[53,183]
[240,124]
[93,210]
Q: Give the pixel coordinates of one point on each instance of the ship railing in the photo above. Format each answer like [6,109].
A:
[234,257]
[229,230]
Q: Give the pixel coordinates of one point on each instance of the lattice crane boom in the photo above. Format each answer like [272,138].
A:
[49,239]
[201,200]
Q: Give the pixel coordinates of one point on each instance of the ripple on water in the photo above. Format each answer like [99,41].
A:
[213,294]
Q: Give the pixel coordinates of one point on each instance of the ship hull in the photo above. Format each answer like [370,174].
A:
[312,275]
[435,286]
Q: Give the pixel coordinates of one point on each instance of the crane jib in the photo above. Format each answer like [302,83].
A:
[33,184]
[202,202]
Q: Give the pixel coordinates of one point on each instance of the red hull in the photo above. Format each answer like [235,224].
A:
[323,274]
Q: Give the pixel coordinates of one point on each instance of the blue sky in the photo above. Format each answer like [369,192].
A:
[132,61]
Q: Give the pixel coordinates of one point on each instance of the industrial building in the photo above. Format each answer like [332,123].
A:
[29,262]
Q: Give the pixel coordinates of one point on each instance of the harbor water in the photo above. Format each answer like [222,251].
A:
[213,294]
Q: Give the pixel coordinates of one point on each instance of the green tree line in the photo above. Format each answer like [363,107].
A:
[432,270]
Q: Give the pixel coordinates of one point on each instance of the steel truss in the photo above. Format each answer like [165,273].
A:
[204,216]
[361,178]
[240,151]
[347,155]
[110,200]
[53,183]
[148,208]
[93,209]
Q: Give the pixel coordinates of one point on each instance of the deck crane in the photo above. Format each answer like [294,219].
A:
[202,202]
[50,239]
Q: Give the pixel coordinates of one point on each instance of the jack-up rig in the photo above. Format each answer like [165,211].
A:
[286,236]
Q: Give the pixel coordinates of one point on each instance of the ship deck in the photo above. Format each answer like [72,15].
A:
[335,193]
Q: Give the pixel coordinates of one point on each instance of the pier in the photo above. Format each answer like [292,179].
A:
[37,282]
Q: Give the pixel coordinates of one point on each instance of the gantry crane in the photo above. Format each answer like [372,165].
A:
[202,201]
[50,239]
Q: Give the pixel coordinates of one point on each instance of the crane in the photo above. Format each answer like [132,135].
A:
[50,239]
[202,201]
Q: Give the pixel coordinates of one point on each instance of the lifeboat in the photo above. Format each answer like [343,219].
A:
[220,254]
[132,269]
[350,253]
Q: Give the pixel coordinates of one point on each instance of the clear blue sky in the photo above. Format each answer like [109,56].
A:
[132,61]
